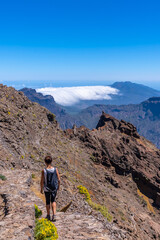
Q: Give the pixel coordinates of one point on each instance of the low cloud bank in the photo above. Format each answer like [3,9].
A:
[67,96]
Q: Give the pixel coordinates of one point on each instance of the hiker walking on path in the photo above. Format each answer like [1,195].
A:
[50,183]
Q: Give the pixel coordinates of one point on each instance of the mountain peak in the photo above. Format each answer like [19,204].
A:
[109,122]
[132,87]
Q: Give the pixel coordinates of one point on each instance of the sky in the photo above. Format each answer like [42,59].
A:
[74,43]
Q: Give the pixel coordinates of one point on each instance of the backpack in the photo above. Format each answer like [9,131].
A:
[52,180]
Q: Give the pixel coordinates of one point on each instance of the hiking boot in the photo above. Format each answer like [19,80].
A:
[48,217]
[54,218]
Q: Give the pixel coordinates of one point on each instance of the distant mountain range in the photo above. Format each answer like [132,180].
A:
[129,93]
[145,115]
[132,93]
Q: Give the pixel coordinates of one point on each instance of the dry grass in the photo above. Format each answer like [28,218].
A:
[147,143]
[149,206]
[37,193]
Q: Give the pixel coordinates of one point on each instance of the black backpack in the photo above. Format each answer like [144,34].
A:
[52,180]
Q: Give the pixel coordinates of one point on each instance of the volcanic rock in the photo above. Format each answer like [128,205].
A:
[117,143]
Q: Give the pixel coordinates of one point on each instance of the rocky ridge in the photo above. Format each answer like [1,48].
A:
[117,143]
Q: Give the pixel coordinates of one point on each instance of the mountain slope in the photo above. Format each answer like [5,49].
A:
[117,143]
[113,162]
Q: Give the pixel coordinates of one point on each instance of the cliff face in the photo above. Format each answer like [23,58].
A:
[117,143]
[112,161]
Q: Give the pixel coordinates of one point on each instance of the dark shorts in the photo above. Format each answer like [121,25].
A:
[50,197]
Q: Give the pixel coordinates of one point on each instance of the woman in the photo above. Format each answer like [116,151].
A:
[50,183]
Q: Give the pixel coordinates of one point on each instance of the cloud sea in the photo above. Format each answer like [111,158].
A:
[68,96]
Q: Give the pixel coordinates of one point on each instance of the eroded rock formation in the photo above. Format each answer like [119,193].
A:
[117,143]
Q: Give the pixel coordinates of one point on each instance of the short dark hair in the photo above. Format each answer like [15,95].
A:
[48,159]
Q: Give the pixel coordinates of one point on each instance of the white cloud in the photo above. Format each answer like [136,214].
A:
[67,96]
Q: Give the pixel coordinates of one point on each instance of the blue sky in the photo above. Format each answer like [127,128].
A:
[80,41]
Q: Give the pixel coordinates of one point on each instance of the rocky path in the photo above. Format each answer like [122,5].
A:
[17,209]
[17,213]
[77,226]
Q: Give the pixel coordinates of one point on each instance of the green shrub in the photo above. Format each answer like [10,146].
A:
[84,191]
[33,176]
[3,177]
[102,209]
[38,212]
[45,230]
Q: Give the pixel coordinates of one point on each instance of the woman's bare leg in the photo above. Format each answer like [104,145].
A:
[54,208]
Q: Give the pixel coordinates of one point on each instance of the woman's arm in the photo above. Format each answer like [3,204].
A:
[42,181]
[58,178]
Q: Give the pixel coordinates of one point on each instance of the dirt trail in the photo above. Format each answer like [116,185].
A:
[17,222]
[78,226]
